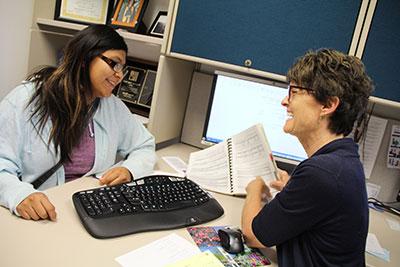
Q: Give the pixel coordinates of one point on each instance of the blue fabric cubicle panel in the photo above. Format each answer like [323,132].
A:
[382,50]
[272,33]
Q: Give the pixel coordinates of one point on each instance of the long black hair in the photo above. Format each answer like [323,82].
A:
[62,93]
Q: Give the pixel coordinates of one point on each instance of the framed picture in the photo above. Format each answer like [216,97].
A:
[131,86]
[146,94]
[128,14]
[84,11]
[157,28]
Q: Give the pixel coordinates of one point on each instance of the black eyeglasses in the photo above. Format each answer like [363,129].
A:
[117,67]
[291,92]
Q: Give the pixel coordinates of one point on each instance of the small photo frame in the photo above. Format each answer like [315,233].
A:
[128,14]
[131,86]
[146,94]
[84,11]
[157,28]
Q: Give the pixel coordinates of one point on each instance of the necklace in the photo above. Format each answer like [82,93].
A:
[91,111]
[91,132]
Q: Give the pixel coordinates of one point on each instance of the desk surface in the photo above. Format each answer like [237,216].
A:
[66,242]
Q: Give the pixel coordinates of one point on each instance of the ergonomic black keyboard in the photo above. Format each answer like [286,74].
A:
[151,203]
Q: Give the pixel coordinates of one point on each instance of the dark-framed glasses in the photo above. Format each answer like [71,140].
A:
[291,92]
[117,67]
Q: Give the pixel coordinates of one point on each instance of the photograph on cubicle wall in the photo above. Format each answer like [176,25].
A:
[128,15]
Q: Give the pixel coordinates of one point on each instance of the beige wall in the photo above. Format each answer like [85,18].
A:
[15,23]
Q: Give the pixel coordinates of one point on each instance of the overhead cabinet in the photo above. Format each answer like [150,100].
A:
[262,35]
[381,53]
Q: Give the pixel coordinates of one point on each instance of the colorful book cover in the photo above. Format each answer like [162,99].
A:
[207,239]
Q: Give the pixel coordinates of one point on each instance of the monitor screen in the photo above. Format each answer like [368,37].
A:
[238,102]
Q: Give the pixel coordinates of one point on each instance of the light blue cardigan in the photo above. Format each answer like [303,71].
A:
[25,155]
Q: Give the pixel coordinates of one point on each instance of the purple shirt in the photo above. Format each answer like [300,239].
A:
[82,156]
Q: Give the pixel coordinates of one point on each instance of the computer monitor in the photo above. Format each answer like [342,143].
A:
[238,102]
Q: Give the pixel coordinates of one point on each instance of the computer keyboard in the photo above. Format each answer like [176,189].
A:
[156,202]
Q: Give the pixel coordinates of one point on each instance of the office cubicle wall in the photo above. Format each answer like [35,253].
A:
[192,131]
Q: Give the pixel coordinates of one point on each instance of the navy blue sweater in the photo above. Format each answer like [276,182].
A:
[321,216]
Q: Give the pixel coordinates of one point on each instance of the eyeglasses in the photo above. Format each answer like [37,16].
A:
[291,91]
[117,67]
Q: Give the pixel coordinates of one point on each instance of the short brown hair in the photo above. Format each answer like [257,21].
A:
[331,73]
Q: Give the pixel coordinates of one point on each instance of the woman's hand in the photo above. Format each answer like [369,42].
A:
[117,175]
[283,178]
[257,187]
[37,206]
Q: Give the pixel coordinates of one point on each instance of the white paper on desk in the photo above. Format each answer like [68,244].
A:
[374,248]
[369,146]
[394,225]
[176,163]
[161,252]
[373,245]
[167,173]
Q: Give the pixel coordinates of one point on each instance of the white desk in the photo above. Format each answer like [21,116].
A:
[66,242]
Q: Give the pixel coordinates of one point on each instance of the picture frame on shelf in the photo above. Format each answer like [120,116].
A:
[146,94]
[128,14]
[84,11]
[137,86]
[157,28]
[131,85]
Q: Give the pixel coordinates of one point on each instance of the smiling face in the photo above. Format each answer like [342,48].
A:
[304,113]
[103,78]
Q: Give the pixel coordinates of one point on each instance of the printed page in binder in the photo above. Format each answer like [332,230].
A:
[209,168]
[229,166]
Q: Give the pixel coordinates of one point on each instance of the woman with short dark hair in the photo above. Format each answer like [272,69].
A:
[320,217]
